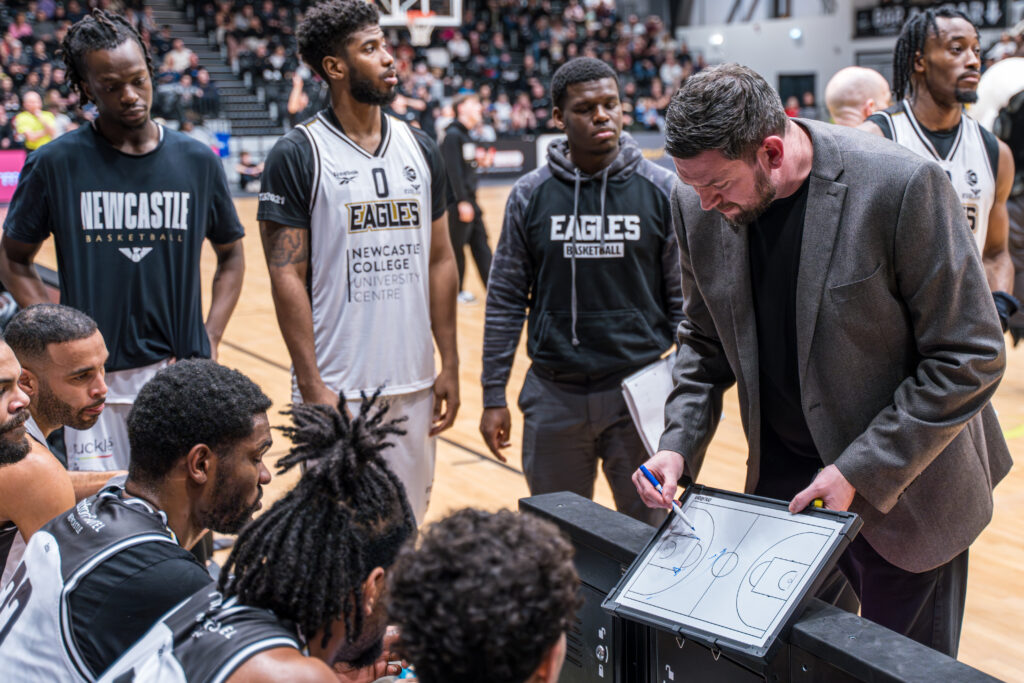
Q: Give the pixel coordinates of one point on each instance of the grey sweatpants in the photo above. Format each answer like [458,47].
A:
[567,428]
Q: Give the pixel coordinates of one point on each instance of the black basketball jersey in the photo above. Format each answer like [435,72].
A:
[204,640]
[36,637]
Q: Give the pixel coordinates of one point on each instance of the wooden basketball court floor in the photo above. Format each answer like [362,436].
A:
[993,634]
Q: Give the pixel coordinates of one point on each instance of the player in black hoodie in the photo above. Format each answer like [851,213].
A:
[587,249]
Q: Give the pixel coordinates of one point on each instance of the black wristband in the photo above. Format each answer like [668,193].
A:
[1006,306]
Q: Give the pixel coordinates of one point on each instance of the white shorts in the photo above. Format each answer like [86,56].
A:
[104,446]
[412,456]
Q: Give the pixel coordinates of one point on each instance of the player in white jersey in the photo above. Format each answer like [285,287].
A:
[935,72]
[352,215]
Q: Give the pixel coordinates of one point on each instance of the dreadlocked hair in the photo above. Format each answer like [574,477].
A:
[911,43]
[101,30]
[307,556]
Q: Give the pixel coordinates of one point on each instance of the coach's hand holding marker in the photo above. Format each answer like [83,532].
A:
[675,505]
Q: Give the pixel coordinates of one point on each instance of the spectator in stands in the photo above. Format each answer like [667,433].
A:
[187,97]
[19,29]
[35,124]
[44,27]
[249,171]
[522,119]
[808,107]
[9,138]
[208,102]
[55,106]
[38,56]
[672,72]
[180,56]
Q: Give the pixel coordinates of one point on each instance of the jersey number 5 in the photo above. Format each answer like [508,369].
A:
[972,216]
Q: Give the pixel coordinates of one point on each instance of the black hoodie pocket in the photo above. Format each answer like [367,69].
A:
[608,340]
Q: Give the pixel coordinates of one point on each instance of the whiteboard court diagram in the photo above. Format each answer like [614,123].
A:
[738,575]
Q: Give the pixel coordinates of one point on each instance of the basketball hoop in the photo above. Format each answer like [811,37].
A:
[420,27]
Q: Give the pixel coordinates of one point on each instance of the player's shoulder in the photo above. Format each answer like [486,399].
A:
[283,663]
[657,175]
[422,138]
[293,145]
[38,472]
[177,142]
[528,188]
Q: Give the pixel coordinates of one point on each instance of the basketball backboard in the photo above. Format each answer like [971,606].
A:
[445,12]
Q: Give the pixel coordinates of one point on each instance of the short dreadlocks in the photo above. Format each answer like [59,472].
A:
[101,30]
[911,43]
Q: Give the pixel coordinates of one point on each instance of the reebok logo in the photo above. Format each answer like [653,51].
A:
[135,254]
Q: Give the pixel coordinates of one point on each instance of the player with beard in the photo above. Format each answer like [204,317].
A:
[936,66]
[61,355]
[129,204]
[21,515]
[352,212]
[94,580]
[309,574]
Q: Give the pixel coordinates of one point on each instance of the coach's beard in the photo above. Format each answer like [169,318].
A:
[363,91]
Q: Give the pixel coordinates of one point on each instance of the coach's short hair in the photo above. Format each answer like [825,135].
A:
[482,596]
[188,403]
[34,328]
[727,108]
[579,70]
[327,27]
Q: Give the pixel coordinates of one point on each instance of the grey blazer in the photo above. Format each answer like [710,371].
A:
[899,348]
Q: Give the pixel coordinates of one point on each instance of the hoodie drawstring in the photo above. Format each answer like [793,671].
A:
[575,229]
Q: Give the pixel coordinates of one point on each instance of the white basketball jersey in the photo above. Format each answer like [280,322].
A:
[967,164]
[370,223]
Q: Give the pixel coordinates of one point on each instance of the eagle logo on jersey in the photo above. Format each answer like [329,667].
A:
[410,173]
[136,254]
[386,214]
[344,177]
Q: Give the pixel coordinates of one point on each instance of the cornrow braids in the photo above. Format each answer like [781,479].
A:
[101,30]
[911,43]
[307,556]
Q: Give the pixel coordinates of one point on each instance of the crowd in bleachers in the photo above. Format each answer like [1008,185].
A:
[506,50]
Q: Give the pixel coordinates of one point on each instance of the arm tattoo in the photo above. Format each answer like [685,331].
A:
[288,246]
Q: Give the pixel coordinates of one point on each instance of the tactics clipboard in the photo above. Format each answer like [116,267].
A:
[739,580]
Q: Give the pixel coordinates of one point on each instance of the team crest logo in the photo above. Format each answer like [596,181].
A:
[410,173]
[136,254]
[972,178]
[345,177]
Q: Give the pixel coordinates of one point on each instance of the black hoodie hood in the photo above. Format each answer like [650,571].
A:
[623,166]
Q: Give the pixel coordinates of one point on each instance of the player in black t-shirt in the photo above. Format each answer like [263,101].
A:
[129,204]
